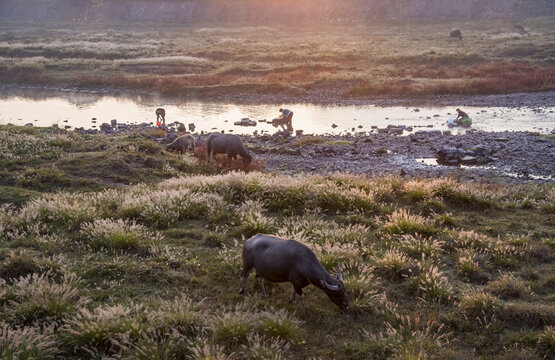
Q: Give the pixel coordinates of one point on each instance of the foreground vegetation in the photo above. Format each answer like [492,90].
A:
[351,61]
[435,269]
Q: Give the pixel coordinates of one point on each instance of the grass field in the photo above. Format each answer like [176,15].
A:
[341,61]
[435,269]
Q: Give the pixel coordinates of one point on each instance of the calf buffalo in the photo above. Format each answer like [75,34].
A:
[182,144]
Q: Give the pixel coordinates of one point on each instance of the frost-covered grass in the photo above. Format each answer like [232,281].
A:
[152,270]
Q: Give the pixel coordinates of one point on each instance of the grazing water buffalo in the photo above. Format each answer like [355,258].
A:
[227,144]
[519,28]
[182,144]
[281,260]
[456,33]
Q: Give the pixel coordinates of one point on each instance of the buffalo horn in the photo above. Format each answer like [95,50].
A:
[339,272]
[329,286]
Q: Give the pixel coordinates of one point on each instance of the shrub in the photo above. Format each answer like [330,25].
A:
[60,211]
[509,287]
[203,350]
[252,219]
[105,330]
[403,222]
[546,342]
[38,297]
[432,283]
[394,265]
[467,265]
[118,235]
[408,338]
[279,325]
[18,263]
[478,303]
[262,348]
[156,344]
[233,328]
[28,343]
[531,315]
[178,315]
[417,246]
[472,240]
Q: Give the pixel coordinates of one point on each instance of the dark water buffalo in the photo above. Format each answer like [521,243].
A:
[280,260]
[456,33]
[182,144]
[519,28]
[227,144]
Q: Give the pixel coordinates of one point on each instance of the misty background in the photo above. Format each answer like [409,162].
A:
[268,11]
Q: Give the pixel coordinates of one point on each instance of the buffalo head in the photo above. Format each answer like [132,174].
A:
[337,292]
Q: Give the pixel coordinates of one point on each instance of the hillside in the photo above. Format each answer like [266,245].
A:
[434,269]
[266,11]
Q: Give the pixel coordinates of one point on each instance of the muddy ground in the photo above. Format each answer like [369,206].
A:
[508,156]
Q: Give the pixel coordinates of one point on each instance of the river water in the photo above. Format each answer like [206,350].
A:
[90,110]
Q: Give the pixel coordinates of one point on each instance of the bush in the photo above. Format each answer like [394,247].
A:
[394,265]
[28,343]
[234,328]
[432,283]
[478,303]
[279,325]
[39,297]
[532,315]
[118,235]
[17,264]
[546,342]
[105,330]
[509,287]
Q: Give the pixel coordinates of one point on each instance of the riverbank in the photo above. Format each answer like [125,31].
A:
[515,157]
[313,63]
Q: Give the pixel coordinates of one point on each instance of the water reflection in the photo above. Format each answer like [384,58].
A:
[45,107]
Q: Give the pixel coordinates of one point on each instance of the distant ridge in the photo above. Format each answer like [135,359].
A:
[268,11]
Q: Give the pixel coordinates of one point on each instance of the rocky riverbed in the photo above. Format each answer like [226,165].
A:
[503,156]
[517,157]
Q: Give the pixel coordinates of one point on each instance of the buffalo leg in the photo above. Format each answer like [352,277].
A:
[244,276]
[292,298]
[299,291]
[261,284]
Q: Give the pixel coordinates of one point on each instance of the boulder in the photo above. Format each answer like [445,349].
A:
[29,124]
[480,150]
[114,122]
[395,131]
[468,160]
[245,122]
[105,127]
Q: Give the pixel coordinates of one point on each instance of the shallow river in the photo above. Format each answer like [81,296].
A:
[77,109]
